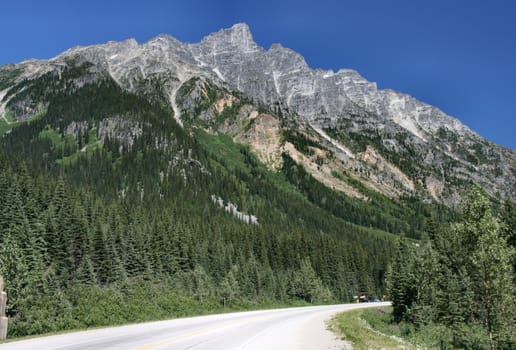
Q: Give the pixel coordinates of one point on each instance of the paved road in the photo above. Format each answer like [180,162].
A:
[285,329]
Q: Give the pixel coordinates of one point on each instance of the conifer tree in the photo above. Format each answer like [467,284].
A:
[400,282]
[14,269]
[202,285]
[305,284]
[229,288]
[86,272]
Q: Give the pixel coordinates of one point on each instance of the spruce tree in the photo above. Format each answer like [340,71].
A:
[14,269]
[229,288]
[400,282]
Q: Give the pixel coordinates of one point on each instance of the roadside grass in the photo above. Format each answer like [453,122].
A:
[368,329]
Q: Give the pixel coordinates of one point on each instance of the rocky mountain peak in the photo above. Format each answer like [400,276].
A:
[237,38]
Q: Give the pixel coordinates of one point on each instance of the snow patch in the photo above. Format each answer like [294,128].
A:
[3,104]
[113,57]
[233,209]
[219,74]
[275,76]
[333,142]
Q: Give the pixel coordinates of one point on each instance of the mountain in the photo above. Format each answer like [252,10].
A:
[194,176]
[388,141]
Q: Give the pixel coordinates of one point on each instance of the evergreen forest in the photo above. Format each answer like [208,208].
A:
[110,213]
[457,287]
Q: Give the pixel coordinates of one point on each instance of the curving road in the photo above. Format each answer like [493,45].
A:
[286,329]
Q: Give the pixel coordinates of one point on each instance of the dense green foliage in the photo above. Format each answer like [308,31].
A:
[460,280]
[105,198]
[56,240]
[107,201]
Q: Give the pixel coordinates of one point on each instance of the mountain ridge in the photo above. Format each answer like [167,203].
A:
[346,112]
[238,31]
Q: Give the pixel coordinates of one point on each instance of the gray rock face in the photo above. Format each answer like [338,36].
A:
[342,100]
[275,75]
[231,57]
[280,74]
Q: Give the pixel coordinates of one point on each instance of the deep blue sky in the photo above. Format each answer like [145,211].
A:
[459,55]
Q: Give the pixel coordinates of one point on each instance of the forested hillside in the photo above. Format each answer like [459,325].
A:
[155,196]
[94,215]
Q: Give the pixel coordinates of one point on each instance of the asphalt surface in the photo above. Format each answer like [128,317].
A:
[287,329]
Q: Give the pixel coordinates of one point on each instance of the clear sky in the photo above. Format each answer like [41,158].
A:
[459,55]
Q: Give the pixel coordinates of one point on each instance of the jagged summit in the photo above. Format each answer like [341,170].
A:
[239,34]
[278,74]
[237,40]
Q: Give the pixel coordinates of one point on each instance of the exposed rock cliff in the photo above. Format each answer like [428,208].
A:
[390,141]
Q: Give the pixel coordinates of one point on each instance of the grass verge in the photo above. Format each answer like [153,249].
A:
[368,329]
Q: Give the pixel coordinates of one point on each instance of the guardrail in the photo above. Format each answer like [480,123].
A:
[3,302]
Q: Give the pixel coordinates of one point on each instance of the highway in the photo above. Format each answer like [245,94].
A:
[301,328]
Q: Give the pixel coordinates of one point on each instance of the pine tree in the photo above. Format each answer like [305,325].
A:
[229,289]
[86,272]
[400,282]
[462,279]
[202,285]
[305,284]
[14,269]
